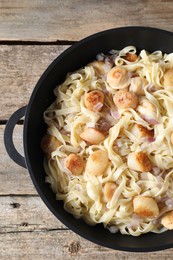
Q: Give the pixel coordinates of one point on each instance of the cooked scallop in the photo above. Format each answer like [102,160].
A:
[97,163]
[172,138]
[125,99]
[167,220]
[145,207]
[108,191]
[118,78]
[94,100]
[75,164]
[49,143]
[145,103]
[100,67]
[139,161]
[148,111]
[92,136]
[137,85]
[141,132]
[132,57]
[168,78]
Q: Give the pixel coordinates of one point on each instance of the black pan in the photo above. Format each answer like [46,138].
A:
[73,58]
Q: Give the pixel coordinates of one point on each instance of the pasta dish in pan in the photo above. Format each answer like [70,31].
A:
[109,142]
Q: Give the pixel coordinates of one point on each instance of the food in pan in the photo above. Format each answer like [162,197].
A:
[109,142]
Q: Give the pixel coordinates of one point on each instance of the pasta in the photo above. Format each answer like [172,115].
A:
[109,142]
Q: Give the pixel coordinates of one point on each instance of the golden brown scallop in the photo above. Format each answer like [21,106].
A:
[148,111]
[92,136]
[139,161]
[108,191]
[75,164]
[145,207]
[137,85]
[49,143]
[145,103]
[94,100]
[132,57]
[97,162]
[118,78]
[100,67]
[125,99]
[168,78]
[167,220]
[141,132]
[172,138]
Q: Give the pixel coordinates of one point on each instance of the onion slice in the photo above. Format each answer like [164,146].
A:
[115,114]
[104,126]
[151,121]
[119,143]
[113,229]
[151,139]
[169,203]
[91,124]
[98,106]
[100,57]
[144,176]
[156,170]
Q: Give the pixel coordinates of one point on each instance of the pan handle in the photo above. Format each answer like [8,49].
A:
[8,137]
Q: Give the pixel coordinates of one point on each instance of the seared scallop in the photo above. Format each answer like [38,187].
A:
[172,138]
[167,220]
[149,106]
[141,132]
[137,85]
[118,78]
[49,143]
[100,67]
[132,57]
[94,100]
[97,163]
[75,164]
[145,207]
[92,136]
[108,191]
[148,111]
[125,99]
[168,78]
[139,161]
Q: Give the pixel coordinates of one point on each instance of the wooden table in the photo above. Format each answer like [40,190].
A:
[32,34]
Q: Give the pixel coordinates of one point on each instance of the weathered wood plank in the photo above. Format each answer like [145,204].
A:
[29,231]
[26,214]
[54,20]
[20,69]
[64,245]
[13,178]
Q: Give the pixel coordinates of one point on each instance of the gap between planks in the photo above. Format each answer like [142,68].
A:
[31,43]
[73,20]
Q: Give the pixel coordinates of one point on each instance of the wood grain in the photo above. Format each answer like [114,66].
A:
[14,180]
[29,213]
[43,20]
[60,245]
[20,69]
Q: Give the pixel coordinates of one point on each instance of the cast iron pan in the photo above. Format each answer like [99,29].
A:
[73,58]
